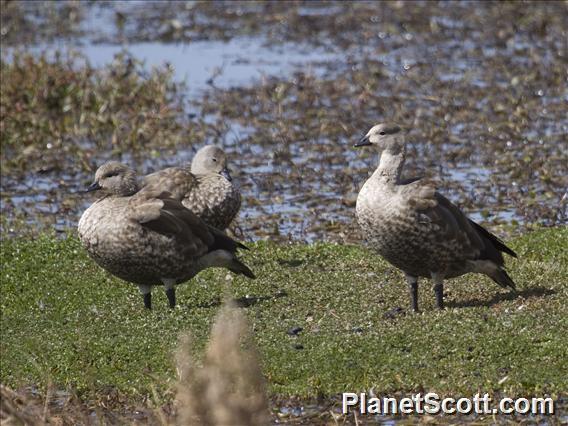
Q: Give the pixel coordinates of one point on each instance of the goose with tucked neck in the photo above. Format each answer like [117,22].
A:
[148,238]
[205,187]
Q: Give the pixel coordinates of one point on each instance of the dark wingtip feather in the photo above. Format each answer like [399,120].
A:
[223,241]
[502,247]
[242,246]
[496,241]
[239,267]
[248,273]
[502,278]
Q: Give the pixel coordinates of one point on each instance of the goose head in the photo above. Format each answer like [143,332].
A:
[115,178]
[384,136]
[210,159]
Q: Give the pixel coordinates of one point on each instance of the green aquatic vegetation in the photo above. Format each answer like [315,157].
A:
[55,111]
[67,322]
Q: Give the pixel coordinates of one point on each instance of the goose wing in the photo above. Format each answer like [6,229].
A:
[178,181]
[160,213]
[452,224]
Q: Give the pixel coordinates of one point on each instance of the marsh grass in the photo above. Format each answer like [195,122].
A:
[15,409]
[481,89]
[56,110]
[66,320]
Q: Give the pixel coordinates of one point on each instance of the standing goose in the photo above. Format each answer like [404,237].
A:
[148,238]
[417,229]
[206,189]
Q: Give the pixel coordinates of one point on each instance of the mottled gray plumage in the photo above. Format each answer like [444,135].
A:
[206,189]
[417,229]
[147,237]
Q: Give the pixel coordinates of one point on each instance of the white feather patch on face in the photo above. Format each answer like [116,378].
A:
[382,131]
[376,129]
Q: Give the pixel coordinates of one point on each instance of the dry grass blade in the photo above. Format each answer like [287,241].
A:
[229,387]
[17,410]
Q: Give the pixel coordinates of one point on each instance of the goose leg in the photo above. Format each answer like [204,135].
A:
[438,288]
[169,284]
[171,293]
[146,291]
[413,289]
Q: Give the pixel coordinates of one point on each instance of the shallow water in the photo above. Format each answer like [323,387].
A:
[305,188]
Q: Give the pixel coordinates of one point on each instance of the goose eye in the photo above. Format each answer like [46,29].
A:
[111,174]
[382,133]
[214,159]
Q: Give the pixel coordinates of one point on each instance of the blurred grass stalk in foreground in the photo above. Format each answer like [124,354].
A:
[229,387]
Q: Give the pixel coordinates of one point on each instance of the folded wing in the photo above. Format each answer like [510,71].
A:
[475,242]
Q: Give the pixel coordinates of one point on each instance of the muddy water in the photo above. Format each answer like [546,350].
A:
[482,90]
[49,199]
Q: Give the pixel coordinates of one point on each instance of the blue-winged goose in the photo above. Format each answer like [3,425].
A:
[206,189]
[417,229]
[148,238]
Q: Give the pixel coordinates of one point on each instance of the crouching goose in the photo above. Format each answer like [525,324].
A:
[148,238]
[206,189]
[417,229]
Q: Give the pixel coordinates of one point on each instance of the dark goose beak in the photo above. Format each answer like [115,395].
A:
[364,141]
[93,187]
[225,173]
